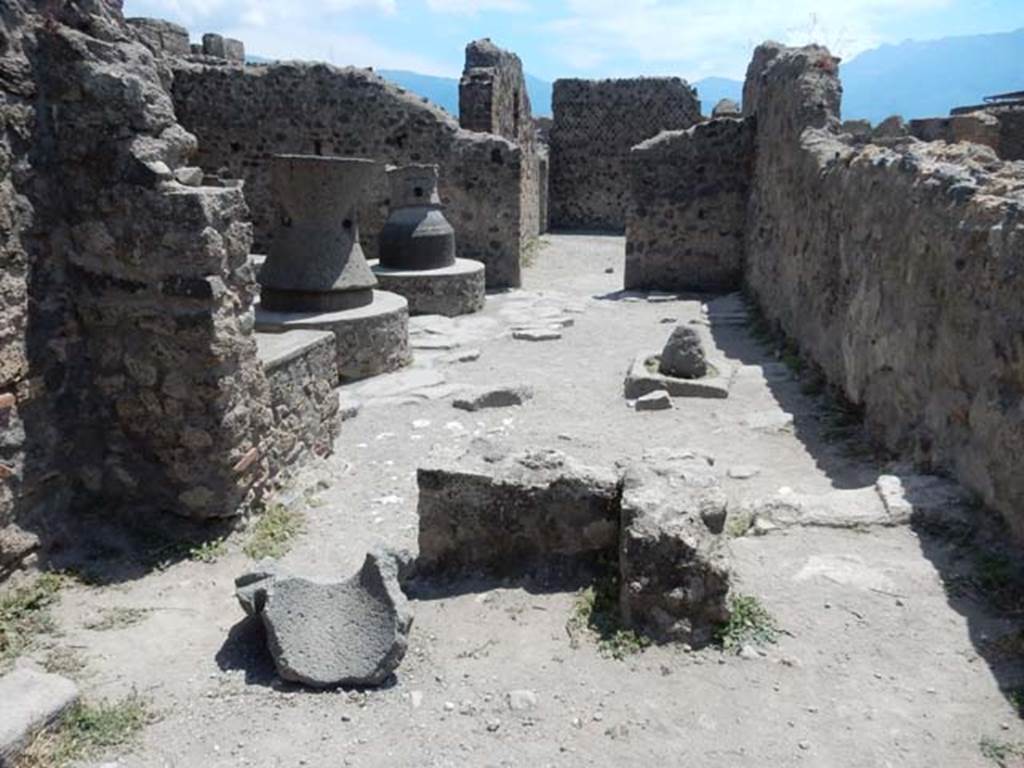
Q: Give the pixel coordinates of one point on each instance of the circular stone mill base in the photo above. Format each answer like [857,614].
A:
[370,340]
[454,290]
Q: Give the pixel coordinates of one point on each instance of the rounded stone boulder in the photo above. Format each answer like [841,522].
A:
[683,355]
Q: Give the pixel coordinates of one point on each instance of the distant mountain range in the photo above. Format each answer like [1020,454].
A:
[913,79]
[444,91]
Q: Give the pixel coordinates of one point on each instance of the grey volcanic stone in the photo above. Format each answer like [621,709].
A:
[659,400]
[494,397]
[497,512]
[29,701]
[672,557]
[320,634]
[683,355]
[251,588]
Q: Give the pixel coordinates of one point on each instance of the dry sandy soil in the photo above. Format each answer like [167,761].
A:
[877,664]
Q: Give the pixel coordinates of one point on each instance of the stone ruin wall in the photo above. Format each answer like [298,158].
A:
[686,225]
[596,123]
[899,270]
[243,115]
[129,379]
[493,98]
[995,126]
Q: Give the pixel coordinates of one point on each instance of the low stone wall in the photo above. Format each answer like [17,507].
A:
[243,115]
[596,123]
[301,371]
[899,270]
[686,224]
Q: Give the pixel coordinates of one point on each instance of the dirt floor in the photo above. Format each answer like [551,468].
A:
[878,664]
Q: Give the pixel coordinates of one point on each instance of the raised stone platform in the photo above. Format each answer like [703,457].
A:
[368,340]
[644,378]
[449,291]
[302,371]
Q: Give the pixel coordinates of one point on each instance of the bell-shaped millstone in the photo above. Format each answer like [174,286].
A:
[416,235]
[315,263]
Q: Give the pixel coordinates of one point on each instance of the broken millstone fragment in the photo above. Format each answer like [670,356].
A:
[493,397]
[659,400]
[324,634]
[672,556]
[683,355]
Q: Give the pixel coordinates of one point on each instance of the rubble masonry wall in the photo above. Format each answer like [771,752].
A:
[686,225]
[243,115]
[596,123]
[493,98]
[899,270]
[128,371]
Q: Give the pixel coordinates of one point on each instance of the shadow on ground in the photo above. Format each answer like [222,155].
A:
[980,565]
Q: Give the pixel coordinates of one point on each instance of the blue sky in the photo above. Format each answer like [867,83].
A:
[575,38]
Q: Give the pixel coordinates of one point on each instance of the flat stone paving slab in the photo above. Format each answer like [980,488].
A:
[29,701]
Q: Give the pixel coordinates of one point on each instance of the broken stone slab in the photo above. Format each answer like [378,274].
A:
[326,634]
[925,499]
[479,398]
[683,355]
[854,508]
[536,334]
[487,509]
[660,400]
[30,700]
[743,472]
[673,562]
[470,355]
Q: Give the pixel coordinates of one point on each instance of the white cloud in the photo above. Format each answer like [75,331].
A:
[715,37]
[294,30]
[471,7]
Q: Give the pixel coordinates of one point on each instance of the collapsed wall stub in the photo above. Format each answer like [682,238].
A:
[493,98]
[129,373]
[244,114]
[486,511]
[899,270]
[596,123]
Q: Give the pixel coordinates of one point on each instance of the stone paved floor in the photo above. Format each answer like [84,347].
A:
[876,667]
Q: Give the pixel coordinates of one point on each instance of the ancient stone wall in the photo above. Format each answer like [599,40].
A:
[244,115]
[686,225]
[493,98]
[301,368]
[596,123]
[899,270]
[128,374]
